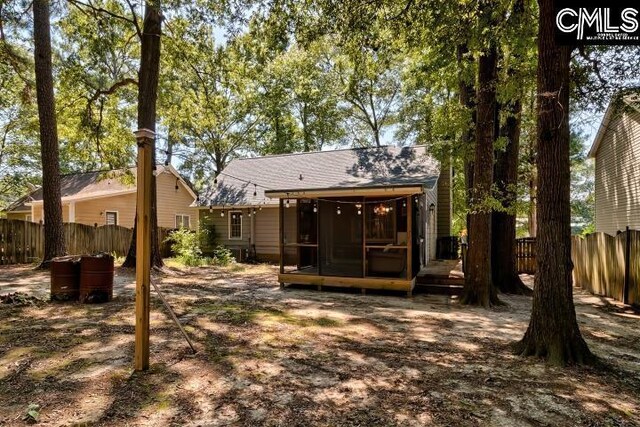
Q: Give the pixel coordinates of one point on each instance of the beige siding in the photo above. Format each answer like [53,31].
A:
[445,208]
[266,230]
[170,203]
[93,211]
[221,227]
[617,186]
[37,213]
[432,223]
[18,215]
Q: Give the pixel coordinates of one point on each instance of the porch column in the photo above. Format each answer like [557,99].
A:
[281,222]
[72,211]
[409,236]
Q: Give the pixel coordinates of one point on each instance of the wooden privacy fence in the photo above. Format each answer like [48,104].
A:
[607,265]
[23,242]
[525,255]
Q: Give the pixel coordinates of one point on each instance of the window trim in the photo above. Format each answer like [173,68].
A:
[182,216]
[106,214]
[229,225]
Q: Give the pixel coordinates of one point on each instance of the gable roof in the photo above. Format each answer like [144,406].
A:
[91,185]
[357,168]
[630,98]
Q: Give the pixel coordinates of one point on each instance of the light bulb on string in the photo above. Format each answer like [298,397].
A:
[359,207]
[339,211]
[315,208]
[286,204]
[404,203]
[210,208]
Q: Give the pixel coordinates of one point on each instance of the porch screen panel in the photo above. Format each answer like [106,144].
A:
[340,239]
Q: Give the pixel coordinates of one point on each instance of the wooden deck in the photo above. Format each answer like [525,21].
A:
[444,277]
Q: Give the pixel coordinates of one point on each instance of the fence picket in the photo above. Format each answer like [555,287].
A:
[22,241]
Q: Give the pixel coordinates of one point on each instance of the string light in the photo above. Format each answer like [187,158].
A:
[210,208]
[315,208]
[339,211]
[404,203]
[255,190]
[359,207]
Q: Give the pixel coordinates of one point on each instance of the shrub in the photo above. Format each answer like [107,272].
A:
[185,244]
[222,256]
[208,235]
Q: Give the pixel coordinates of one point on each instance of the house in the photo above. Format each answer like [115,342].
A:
[616,150]
[365,217]
[109,197]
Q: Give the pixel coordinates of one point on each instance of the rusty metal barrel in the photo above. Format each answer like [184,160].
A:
[65,279]
[96,278]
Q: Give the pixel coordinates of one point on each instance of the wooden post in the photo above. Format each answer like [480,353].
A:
[281,214]
[364,239]
[144,139]
[627,266]
[409,237]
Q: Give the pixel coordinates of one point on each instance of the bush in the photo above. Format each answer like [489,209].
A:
[222,256]
[208,235]
[185,244]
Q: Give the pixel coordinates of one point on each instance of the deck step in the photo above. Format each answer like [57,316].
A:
[439,280]
[435,289]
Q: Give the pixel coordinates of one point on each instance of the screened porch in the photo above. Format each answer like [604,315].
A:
[368,242]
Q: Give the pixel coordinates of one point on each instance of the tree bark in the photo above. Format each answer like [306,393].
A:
[503,223]
[478,286]
[553,331]
[467,100]
[147,97]
[54,240]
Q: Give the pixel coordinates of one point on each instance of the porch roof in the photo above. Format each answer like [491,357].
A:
[392,170]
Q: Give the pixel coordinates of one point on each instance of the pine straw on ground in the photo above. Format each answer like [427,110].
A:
[302,357]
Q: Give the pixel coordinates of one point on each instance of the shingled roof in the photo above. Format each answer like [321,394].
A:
[356,168]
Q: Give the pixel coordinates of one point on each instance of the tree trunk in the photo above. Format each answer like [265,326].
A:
[147,96]
[478,287]
[553,331]
[503,223]
[533,198]
[467,100]
[54,244]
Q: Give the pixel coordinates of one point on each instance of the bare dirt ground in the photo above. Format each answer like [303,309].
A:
[299,357]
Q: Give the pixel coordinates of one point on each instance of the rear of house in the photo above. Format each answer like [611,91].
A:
[616,150]
[242,205]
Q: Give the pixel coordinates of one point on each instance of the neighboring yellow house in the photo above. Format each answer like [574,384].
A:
[616,150]
[103,198]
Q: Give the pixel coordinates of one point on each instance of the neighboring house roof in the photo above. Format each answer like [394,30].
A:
[92,185]
[19,205]
[630,99]
[357,168]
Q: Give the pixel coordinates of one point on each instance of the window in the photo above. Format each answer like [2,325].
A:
[183,221]
[235,225]
[111,218]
